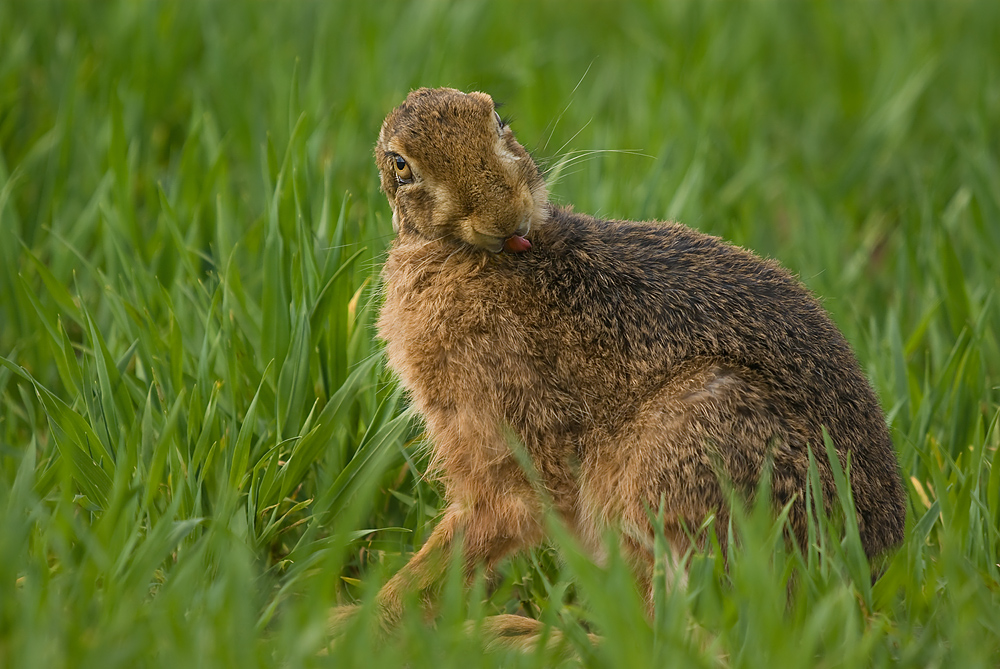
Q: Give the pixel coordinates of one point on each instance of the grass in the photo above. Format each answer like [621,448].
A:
[200,450]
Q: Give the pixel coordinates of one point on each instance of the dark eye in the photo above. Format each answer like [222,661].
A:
[403,171]
[500,122]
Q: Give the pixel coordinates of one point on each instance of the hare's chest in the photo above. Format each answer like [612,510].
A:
[437,342]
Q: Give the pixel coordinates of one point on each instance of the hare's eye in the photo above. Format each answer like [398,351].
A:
[500,122]
[403,171]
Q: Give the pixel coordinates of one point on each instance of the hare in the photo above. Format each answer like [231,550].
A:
[639,366]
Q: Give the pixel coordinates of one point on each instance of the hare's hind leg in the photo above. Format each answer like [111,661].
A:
[705,434]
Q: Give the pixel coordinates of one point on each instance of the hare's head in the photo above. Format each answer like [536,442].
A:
[452,170]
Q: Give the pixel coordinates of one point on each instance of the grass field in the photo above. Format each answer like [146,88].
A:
[200,450]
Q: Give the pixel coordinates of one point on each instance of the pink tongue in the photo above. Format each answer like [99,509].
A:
[516,244]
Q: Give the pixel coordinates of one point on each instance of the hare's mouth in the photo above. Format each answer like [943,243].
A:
[514,243]
[517,243]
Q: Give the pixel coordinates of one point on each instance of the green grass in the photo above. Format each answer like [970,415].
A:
[200,450]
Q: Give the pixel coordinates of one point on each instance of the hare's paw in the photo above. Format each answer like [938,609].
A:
[340,618]
[507,632]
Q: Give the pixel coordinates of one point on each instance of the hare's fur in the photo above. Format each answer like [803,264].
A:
[638,364]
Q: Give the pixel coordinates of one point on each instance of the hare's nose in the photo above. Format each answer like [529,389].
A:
[525,226]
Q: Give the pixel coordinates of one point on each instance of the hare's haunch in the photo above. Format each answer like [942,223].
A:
[637,363]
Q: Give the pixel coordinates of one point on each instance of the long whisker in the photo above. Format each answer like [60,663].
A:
[566,108]
[575,134]
[556,171]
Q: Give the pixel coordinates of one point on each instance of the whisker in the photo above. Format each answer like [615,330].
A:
[556,171]
[555,123]
[575,134]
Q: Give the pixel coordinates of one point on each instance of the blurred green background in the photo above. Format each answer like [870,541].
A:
[197,438]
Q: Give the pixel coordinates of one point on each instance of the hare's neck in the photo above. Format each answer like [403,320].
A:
[420,261]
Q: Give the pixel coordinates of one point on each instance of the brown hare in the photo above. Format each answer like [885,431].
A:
[637,364]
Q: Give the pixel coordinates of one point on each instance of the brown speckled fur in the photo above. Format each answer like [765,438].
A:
[634,361]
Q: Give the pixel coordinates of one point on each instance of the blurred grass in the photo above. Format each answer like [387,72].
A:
[197,438]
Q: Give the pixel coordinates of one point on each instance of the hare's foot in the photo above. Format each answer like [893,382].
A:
[507,632]
[340,618]
[382,621]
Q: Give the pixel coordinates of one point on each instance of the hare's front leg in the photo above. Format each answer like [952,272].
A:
[485,530]
[500,520]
